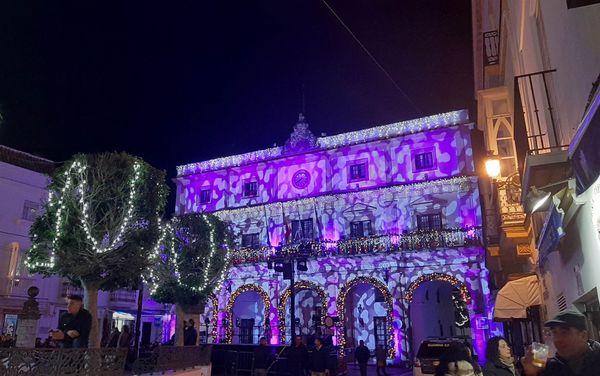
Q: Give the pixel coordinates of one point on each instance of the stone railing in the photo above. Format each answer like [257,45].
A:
[172,358]
[411,241]
[123,296]
[59,362]
[68,289]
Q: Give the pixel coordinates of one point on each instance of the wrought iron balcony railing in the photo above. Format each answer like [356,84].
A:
[532,93]
[388,243]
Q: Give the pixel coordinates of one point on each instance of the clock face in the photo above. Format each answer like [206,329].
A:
[301,179]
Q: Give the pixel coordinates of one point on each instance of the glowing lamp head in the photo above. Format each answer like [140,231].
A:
[492,167]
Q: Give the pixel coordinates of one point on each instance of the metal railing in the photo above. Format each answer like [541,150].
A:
[172,358]
[411,241]
[59,362]
[533,93]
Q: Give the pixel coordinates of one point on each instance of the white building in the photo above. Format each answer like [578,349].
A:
[537,65]
[23,183]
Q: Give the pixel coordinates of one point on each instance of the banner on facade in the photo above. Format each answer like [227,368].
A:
[551,233]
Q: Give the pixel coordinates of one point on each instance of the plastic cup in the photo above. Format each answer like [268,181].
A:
[540,354]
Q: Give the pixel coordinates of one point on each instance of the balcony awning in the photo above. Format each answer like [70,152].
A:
[515,297]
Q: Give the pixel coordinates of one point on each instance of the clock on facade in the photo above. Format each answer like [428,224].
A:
[301,179]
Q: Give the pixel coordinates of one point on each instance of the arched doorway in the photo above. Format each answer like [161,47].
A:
[438,308]
[247,315]
[311,308]
[365,309]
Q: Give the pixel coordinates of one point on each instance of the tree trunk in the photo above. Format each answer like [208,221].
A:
[91,304]
[179,325]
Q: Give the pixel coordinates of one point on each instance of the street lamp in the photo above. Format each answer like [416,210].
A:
[492,166]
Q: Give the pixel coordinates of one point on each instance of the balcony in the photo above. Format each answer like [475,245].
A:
[546,150]
[388,243]
[123,296]
[69,289]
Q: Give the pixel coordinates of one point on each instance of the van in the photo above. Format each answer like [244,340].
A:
[430,351]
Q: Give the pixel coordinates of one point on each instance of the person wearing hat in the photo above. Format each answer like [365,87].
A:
[574,356]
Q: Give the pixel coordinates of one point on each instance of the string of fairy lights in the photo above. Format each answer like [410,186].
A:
[78,169]
[391,242]
[166,243]
[329,142]
[341,303]
[464,291]
[300,285]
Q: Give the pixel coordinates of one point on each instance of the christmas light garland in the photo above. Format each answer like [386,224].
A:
[389,301]
[465,295]
[444,185]
[229,308]
[215,316]
[300,285]
[115,243]
[387,243]
[58,200]
[166,242]
[329,142]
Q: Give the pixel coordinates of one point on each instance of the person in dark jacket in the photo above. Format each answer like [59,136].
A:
[319,359]
[74,326]
[362,355]
[190,334]
[297,357]
[500,361]
[574,356]
[262,358]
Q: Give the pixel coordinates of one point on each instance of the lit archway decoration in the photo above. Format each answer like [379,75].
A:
[300,285]
[215,315]
[465,295]
[389,302]
[229,309]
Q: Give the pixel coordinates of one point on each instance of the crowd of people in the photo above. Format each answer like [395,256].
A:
[576,354]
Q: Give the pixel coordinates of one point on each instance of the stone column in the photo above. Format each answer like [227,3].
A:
[27,324]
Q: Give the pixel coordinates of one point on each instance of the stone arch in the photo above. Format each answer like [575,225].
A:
[341,302]
[229,309]
[465,294]
[300,285]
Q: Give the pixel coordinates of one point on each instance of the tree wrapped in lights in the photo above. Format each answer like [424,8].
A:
[190,260]
[99,224]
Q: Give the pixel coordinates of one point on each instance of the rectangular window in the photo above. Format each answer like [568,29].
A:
[358,171]
[205,196]
[30,210]
[302,230]
[360,229]
[381,331]
[424,161]
[429,222]
[250,189]
[250,240]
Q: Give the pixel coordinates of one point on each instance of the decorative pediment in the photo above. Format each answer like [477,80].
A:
[301,139]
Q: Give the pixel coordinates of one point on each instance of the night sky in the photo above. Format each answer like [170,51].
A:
[181,82]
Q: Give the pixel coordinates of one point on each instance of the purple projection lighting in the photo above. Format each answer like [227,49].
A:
[386,206]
